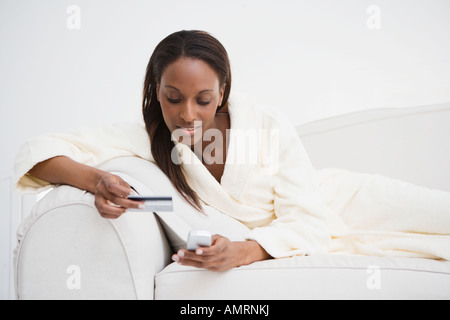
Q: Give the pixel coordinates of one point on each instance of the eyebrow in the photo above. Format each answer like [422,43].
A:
[206,90]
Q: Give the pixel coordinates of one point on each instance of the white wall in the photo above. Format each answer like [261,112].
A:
[312,59]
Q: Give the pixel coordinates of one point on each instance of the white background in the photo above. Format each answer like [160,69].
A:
[312,59]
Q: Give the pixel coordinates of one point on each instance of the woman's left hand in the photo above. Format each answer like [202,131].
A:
[222,255]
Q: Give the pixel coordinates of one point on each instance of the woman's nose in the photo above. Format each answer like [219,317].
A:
[188,113]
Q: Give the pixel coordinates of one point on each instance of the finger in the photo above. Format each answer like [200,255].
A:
[189,258]
[187,262]
[110,216]
[107,210]
[117,200]
[218,245]
[189,255]
[111,208]
[212,263]
[117,192]
[126,203]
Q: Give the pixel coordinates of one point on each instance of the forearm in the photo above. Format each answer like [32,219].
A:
[63,170]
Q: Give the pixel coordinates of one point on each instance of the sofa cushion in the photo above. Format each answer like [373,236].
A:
[311,277]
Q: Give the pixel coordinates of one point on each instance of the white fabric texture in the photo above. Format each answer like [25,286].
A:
[387,217]
[311,277]
[278,196]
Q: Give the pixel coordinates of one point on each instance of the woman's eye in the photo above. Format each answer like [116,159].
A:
[203,103]
[174,100]
[200,102]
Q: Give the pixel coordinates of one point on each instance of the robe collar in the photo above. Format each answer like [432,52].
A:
[228,195]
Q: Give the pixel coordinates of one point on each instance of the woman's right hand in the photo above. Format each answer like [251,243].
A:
[110,190]
[111,194]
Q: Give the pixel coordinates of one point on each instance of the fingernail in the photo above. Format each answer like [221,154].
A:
[180,253]
[175,258]
[142,206]
[199,251]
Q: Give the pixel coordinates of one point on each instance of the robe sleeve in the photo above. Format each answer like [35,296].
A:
[90,146]
[301,225]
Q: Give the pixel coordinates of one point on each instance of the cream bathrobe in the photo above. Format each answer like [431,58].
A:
[270,185]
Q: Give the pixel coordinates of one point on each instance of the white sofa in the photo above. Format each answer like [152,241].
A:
[65,250]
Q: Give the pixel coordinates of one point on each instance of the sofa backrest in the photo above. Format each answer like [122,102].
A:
[411,144]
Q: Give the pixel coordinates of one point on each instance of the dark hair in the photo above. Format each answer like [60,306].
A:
[189,44]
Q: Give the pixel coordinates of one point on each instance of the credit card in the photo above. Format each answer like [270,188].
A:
[153,203]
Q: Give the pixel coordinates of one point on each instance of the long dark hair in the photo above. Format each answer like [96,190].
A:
[189,44]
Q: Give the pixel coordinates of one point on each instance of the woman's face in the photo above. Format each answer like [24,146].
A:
[189,94]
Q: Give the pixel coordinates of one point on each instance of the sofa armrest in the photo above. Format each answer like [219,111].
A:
[66,250]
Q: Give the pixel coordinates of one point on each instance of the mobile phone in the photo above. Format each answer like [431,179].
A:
[153,203]
[198,238]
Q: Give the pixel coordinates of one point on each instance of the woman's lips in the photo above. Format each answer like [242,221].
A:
[188,131]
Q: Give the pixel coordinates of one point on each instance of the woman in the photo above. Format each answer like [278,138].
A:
[273,189]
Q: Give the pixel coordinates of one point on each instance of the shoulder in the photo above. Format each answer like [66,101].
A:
[270,117]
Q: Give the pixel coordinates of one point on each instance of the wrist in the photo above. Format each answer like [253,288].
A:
[95,177]
[252,252]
